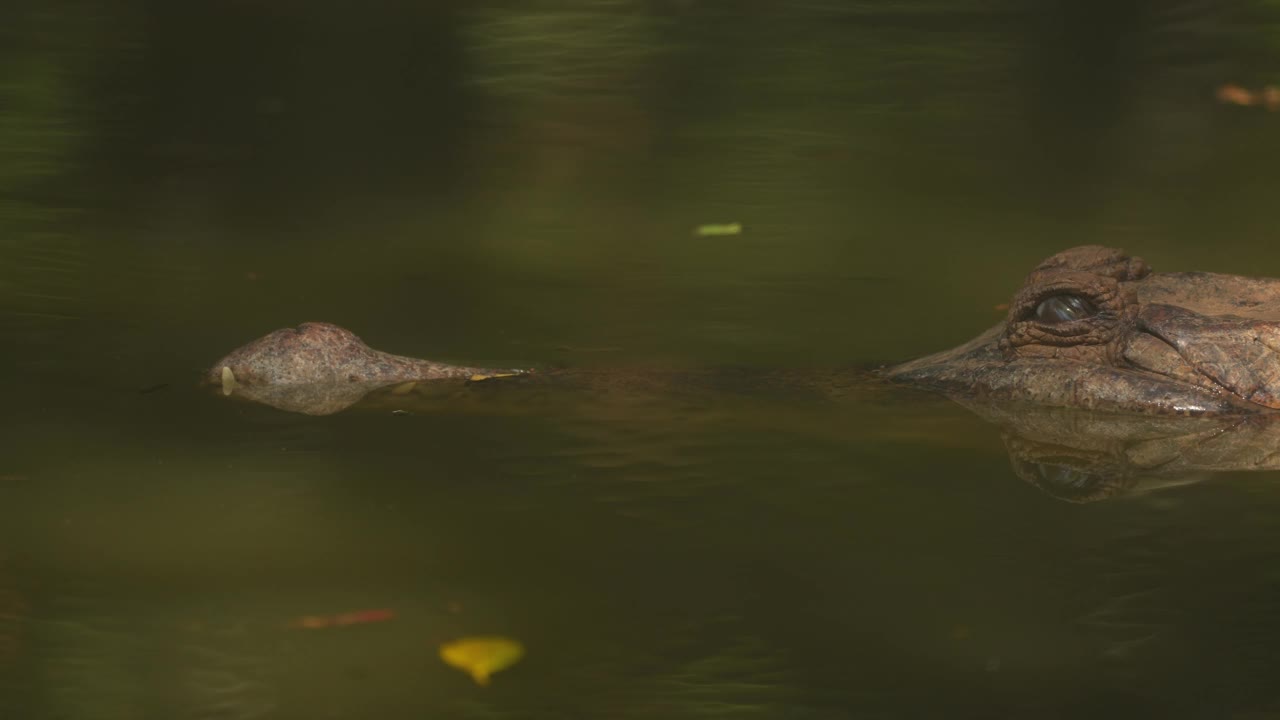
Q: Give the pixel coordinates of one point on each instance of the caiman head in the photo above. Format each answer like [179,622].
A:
[1095,328]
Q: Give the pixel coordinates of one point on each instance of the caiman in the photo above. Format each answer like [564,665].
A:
[1091,328]
[1105,378]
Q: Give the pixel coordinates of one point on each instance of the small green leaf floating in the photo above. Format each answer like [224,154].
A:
[718,230]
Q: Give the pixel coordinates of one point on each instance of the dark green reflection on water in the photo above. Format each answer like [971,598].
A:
[511,186]
[667,564]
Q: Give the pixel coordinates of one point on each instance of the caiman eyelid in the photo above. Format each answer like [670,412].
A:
[1058,307]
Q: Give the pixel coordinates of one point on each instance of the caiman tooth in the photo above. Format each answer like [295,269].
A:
[228,380]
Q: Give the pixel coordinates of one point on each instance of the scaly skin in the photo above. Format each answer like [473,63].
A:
[319,369]
[1165,344]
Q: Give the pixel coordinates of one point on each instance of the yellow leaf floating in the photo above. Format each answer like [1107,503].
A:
[481,656]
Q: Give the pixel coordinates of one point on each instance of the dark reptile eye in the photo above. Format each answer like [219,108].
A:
[1058,309]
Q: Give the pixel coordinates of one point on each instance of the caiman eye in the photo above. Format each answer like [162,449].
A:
[1058,309]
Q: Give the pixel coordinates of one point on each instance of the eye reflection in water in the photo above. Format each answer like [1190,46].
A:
[1073,484]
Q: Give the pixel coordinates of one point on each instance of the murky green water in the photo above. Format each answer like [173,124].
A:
[520,185]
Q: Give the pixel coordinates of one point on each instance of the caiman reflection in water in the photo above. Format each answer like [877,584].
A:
[1083,457]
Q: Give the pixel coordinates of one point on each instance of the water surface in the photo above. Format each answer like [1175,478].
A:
[520,187]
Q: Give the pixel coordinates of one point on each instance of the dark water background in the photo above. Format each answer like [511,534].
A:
[518,184]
